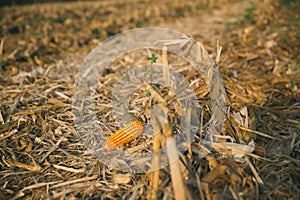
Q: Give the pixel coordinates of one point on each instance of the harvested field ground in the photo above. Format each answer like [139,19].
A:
[257,155]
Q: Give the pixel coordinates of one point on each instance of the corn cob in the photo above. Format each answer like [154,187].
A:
[124,135]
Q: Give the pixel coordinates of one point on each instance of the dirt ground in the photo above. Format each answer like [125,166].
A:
[42,46]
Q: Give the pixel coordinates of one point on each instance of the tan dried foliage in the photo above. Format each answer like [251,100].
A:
[255,157]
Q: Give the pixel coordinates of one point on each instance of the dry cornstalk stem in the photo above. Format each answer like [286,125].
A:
[166,65]
[155,164]
[219,51]
[179,188]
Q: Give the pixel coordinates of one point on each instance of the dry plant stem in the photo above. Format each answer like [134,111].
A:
[1,118]
[177,179]
[189,76]
[256,175]
[137,148]
[2,138]
[199,186]
[85,179]
[69,169]
[233,193]
[1,47]
[156,95]
[186,129]
[258,133]
[33,168]
[52,149]
[165,63]
[219,51]
[179,187]
[21,192]
[155,165]
[157,139]
[121,178]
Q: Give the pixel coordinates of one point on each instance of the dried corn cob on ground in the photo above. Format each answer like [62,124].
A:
[125,135]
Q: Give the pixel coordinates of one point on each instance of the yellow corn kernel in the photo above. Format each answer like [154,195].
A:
[124,135]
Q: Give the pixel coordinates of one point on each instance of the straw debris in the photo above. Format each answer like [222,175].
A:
[256,155]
